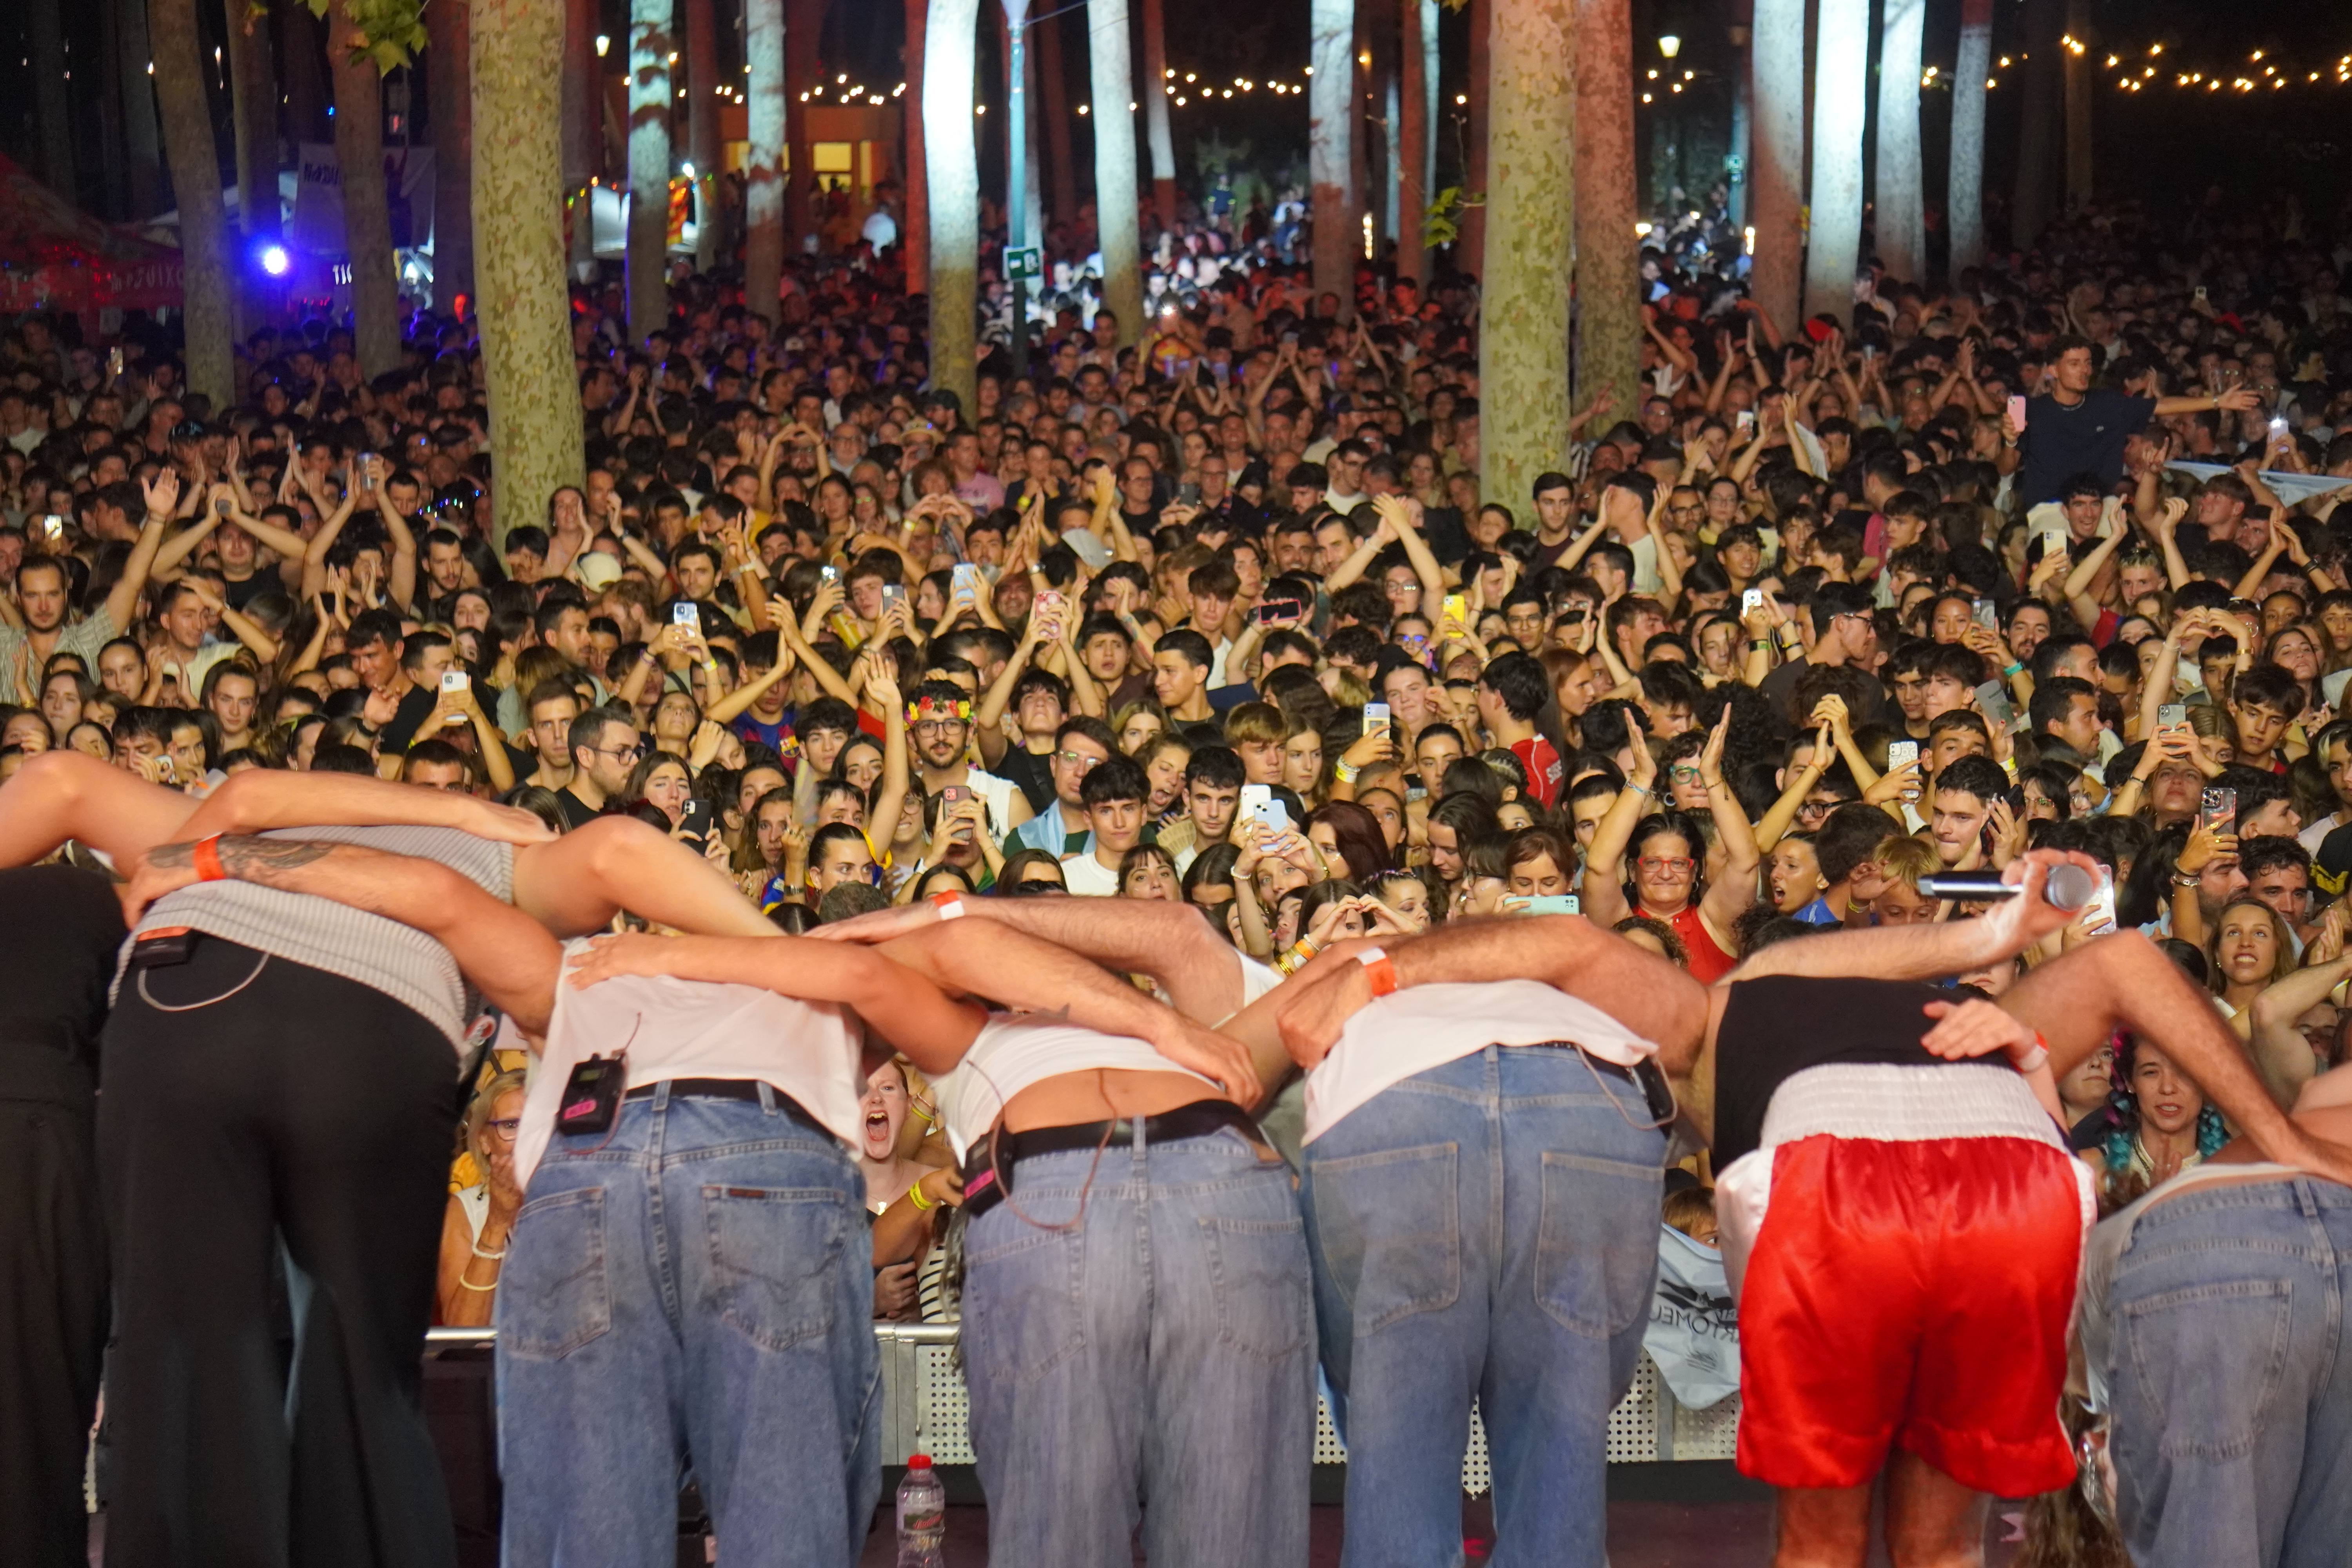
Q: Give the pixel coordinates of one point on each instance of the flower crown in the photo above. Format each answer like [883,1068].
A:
[937,709]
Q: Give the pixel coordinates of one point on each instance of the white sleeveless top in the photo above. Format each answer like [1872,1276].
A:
[689,1028]
[1012,1052]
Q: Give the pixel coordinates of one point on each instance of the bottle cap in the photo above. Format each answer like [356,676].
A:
[918,1461]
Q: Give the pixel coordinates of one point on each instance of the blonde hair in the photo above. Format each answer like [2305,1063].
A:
[1906,859]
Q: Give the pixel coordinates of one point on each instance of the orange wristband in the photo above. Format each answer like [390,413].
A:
[1378,970]
[208,861]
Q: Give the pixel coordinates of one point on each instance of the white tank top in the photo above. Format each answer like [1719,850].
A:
[1012,1052]
[689,1028]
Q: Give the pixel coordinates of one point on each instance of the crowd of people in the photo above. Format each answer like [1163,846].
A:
[1126,831]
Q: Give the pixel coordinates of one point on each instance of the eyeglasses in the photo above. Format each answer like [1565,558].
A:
[1684,773]
[626,753]
[1080,760]
[504,1128]
[1663,865]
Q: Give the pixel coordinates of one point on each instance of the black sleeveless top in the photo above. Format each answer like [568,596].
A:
[1778,1025]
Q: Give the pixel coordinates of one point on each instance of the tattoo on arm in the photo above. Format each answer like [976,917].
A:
[263,860]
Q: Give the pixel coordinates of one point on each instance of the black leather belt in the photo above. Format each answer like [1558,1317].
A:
[727,1088]
[995,1156]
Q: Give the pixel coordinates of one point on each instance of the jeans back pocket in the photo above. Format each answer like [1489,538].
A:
[1388,1229]
[555,1294]
[1597,1242]
[2208,1360]
[775,1257]
[1258,1269]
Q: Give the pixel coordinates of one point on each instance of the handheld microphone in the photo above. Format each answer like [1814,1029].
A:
[2068,887]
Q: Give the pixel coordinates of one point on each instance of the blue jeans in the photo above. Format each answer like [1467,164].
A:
[1158,1351]
[2232,1384]
[695,1290]
[1489,1228]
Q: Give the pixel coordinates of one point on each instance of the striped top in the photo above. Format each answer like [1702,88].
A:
[385,955]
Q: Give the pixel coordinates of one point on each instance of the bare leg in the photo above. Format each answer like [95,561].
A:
[1932,1520]
[2123,981]
[64,794]
[1823,1527]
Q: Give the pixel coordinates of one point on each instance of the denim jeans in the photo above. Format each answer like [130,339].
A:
[1485,1228]
[695,1290]
[1156,1358]
[2231,1383]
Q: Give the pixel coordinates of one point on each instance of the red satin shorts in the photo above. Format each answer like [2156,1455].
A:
[1915,1294]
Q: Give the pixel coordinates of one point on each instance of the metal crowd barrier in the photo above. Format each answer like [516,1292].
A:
[925,1411]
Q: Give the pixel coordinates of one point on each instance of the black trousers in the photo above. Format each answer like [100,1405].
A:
[52,1303]
[246,1101]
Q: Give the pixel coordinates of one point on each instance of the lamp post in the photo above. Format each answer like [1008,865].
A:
[1017,270]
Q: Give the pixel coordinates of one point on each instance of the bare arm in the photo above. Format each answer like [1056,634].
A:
[66,795]
[508,956]
[1928,951]
[575,884]
[259,799]
[903,1006]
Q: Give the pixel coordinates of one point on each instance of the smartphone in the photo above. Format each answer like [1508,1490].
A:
[2099,914]
[2201,291]
[1275,610]
[2017,412]
[1255,798]
[892,593]
[1555,904]
[1901,755]
[1376,717]
[967,578]
[2278,425]
[1992,701]
[223,505]
[114,363]
[694,820]
[53,528]
[2218,812]
[1273,815]
[687,613]
[455,680]
[829,574]
[1744,422]
[1577,612]
[1985,614]
[1457,611]
[2169,714]
[1750,601]
[367,478]
[954,795]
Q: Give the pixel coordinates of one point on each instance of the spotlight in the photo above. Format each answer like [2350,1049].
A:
[275,261]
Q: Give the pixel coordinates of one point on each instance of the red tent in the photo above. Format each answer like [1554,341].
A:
[53,255]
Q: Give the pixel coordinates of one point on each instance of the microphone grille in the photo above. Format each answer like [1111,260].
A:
[2069,887]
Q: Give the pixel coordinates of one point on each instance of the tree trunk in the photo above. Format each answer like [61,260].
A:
[1054,104]
[520,130]
[650,44]
[142,147]
[1117,220]
[2080,84]
[1608,253]
[451,66]
[1154,97]
[915,240]
[1392,142]
[254,80]
[951,164]
[187,125]
[1413,140]
[301,46]
[367,219]
[764,158]
[1902,225]
[803,66]
[583,106]
[1840,68]
[1470,252]
[1522,337]
[51,88]
[1330,127]
[1777,178]
[703,129]
[2038,84]
[1964,195]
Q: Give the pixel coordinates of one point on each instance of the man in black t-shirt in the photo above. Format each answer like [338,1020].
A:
[2073,429]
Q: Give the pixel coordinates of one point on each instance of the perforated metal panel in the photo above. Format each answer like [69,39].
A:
[1709,1434]
[1477,1475]
[944,1418]
[1634,1424]
[1329,1449]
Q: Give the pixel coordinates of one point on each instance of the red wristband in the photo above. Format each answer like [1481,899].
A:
[1378,970]
[949,904]
[208,861]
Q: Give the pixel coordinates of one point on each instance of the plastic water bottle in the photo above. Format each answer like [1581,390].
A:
[923,1516]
